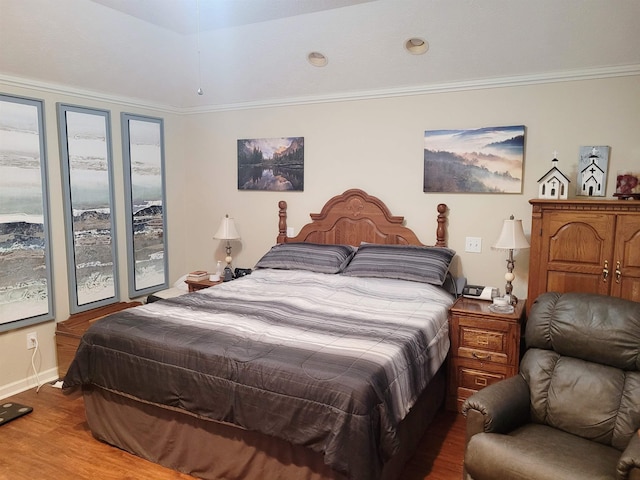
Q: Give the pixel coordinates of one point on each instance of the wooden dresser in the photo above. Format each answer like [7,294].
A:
[69,332]
[485,347]
[585,246]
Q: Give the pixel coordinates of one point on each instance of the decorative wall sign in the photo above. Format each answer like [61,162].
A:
[484,160]
[275,164]
[26,293]
[143,155]
[85,150]
[592,171]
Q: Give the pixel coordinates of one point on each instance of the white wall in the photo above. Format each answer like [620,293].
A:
[375,145]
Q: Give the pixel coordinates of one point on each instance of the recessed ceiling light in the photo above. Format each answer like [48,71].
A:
[416,46]
[317,59]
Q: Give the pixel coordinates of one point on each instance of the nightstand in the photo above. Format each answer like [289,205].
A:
[195,285]
[485,347]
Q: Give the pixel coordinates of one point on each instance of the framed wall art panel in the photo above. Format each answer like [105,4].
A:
[26,289]
[87,180]
[143,155]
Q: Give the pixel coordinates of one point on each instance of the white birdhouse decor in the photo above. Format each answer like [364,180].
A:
[554,184]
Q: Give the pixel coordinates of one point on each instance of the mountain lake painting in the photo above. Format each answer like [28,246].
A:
[273,164]
[483,160]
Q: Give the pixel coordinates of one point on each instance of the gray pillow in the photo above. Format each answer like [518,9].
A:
[314,257]
[404,262]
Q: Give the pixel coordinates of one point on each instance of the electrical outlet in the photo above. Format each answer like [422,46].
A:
[290,232]
[473,245]
[32,340]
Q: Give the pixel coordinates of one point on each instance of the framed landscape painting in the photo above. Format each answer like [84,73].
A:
[143,156]
[87,173]
[482,160]
[272,164]
[26,295]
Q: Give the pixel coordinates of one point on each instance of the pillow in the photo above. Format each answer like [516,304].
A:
[404,262]
[314,257]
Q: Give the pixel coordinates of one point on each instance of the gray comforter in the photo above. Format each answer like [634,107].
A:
[329,362]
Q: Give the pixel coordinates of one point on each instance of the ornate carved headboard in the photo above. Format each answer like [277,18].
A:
[355,217]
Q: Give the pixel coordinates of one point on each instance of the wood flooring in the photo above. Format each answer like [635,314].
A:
[54,442]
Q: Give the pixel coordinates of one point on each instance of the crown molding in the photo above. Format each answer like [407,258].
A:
[479,84]
[68,90]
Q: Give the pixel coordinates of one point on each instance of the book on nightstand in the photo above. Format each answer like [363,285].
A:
[197,275]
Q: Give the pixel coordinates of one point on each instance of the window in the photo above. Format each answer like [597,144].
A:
[85,151]
[26,295]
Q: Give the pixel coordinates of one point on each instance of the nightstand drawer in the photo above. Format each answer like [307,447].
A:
[483,355]
[476,379]
[482,339]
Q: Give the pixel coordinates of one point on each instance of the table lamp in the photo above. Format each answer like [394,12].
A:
[511,238]
[227,231]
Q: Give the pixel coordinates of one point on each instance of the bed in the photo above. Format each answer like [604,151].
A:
[325,363]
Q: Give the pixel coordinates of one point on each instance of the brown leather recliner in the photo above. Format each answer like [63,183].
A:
[573,411]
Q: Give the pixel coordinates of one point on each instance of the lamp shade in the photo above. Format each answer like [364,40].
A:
[512,236]
[227,230]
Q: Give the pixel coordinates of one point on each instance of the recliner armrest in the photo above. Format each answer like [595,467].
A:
[629,463]
[500,407]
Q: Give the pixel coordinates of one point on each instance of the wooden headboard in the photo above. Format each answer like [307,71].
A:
[355,217]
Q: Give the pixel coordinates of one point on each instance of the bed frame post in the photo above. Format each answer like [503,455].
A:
[282,222]
[441,240]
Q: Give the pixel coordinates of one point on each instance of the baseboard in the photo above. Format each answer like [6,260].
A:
[28,383]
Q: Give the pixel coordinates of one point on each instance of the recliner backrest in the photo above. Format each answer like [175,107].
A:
[582,365]
[596,328]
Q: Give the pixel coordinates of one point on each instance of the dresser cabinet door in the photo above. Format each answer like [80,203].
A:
[577,247]
[625,281]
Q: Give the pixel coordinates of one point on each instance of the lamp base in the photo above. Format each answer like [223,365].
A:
[513,300]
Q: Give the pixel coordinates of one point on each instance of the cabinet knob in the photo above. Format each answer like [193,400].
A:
[605,271]
[618,272]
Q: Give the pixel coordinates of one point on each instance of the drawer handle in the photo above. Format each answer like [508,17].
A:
[618,272]
[483,340]
[484,356]
[481,382]
[605,271]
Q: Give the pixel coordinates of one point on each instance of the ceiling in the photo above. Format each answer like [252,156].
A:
[189,16]
[254,52]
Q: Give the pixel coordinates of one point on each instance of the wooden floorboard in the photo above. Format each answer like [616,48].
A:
[54,442]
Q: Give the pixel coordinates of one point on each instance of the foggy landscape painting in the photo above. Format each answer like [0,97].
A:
[146,209]
[275,164]
[89,189]
[483,160]
[24,282]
